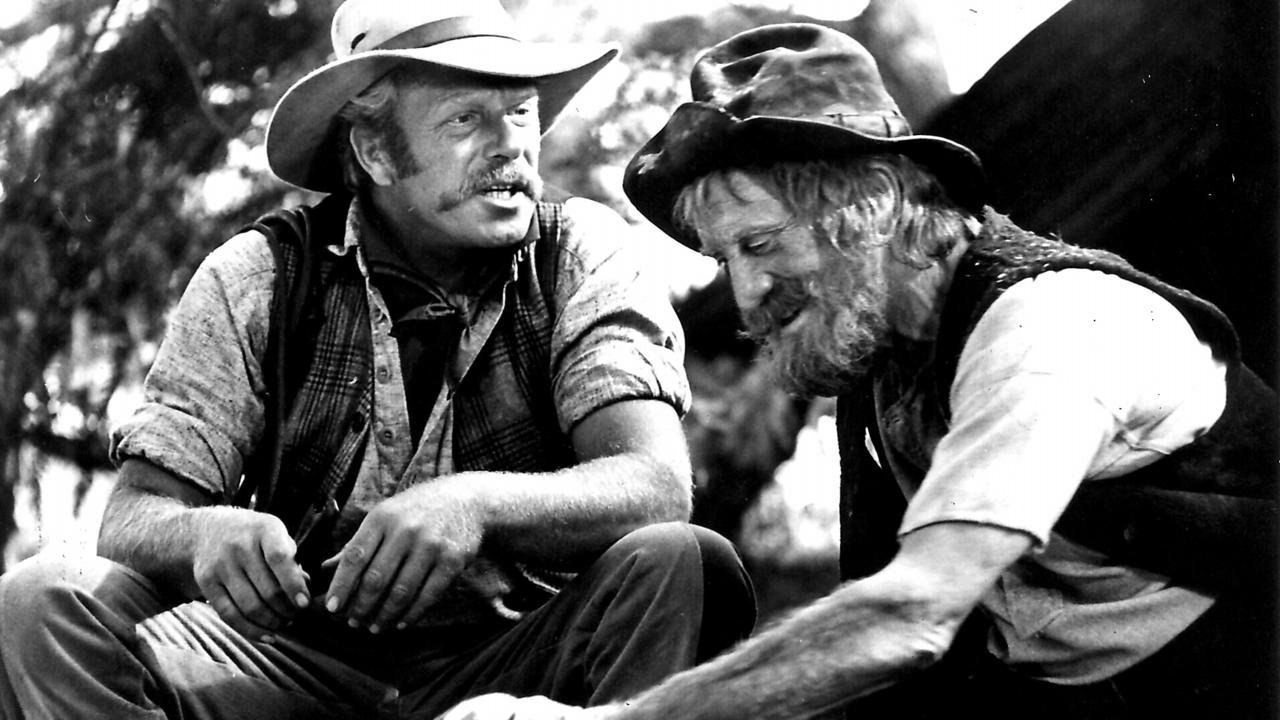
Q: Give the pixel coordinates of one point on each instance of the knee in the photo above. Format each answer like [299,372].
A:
[675,547]
[710,572]
[33,586]
[51,585]
[666,545]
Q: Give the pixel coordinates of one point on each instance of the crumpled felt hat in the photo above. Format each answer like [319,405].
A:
[370,37]
[786,92]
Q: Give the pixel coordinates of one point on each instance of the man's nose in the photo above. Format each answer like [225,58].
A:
[509,139]
[750,285]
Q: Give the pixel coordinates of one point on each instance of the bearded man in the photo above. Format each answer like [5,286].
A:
[1058,491]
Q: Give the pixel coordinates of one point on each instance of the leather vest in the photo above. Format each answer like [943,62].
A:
[319,369]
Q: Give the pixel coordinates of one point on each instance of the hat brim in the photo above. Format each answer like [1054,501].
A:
[300,135]
[701,137]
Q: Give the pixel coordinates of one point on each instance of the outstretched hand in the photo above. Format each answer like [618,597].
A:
[247,572]
[406,553]
[500,706]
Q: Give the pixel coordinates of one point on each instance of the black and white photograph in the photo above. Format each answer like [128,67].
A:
[670,360]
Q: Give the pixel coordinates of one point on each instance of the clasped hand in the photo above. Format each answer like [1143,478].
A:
[407,551]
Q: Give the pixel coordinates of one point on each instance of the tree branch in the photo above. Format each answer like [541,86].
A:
[188,59]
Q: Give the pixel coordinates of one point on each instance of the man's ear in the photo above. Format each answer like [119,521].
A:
[370,153]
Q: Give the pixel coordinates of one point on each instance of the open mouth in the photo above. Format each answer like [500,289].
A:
[502,192]
[784,322]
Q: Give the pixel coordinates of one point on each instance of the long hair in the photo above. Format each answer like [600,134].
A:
[851,202]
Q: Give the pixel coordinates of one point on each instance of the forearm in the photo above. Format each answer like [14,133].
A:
[863,637]
[153,523]
[153,535]
[570,516]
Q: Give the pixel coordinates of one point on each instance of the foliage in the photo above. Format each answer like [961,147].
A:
[104,156]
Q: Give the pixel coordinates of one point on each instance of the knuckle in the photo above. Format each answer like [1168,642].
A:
[374,578]
[276,555]
[225,609]
[277,596]
[454,559]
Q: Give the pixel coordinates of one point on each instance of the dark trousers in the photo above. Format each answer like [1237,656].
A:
[91,638]
[1223,666]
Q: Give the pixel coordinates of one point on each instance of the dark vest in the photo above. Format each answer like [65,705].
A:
[319,375]
[1206,515]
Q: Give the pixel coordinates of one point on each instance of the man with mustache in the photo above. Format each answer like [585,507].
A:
[417,442]
[1058,479]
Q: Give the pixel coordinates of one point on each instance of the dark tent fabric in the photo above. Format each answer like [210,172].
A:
[1149,128]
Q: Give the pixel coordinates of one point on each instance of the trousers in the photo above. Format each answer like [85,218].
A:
[89,638]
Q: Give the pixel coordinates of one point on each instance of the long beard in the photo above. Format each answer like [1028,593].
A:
[844,326]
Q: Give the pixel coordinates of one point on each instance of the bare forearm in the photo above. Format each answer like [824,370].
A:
[570,516]
[863,637]
[154,522]
[154,535]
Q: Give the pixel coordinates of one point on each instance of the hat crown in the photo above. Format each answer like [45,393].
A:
[801,71]
[362,25]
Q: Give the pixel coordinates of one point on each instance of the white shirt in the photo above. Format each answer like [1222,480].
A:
[1072,376]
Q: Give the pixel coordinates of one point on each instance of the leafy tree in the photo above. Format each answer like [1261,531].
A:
[104,157]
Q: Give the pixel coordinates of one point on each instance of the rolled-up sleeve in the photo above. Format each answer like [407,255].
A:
[1073,376]
[202,411]
[616,335]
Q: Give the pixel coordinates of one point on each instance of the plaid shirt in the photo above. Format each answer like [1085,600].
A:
[614,337]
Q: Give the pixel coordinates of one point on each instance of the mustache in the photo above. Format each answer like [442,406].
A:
[787,297]
[520,179]
[511,176]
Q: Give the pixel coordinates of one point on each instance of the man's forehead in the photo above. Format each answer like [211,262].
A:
[739,192]
[734,203]
[435,100]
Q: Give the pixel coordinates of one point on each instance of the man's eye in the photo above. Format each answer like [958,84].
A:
[525,111]
[757,244]
[462,118]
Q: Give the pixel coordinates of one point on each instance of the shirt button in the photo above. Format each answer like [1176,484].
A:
[388,436]
[383,374]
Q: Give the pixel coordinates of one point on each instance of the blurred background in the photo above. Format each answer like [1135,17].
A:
[131,145]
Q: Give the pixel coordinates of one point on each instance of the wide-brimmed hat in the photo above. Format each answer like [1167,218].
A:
[785,92]
[370,37]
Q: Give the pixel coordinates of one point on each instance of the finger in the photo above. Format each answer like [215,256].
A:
[403,590]
[259,573]
[279,552]
[250,603]
[441,574]
[352,561]
[219,598]
[380,575]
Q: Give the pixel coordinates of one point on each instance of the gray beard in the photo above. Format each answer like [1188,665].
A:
[841,333]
